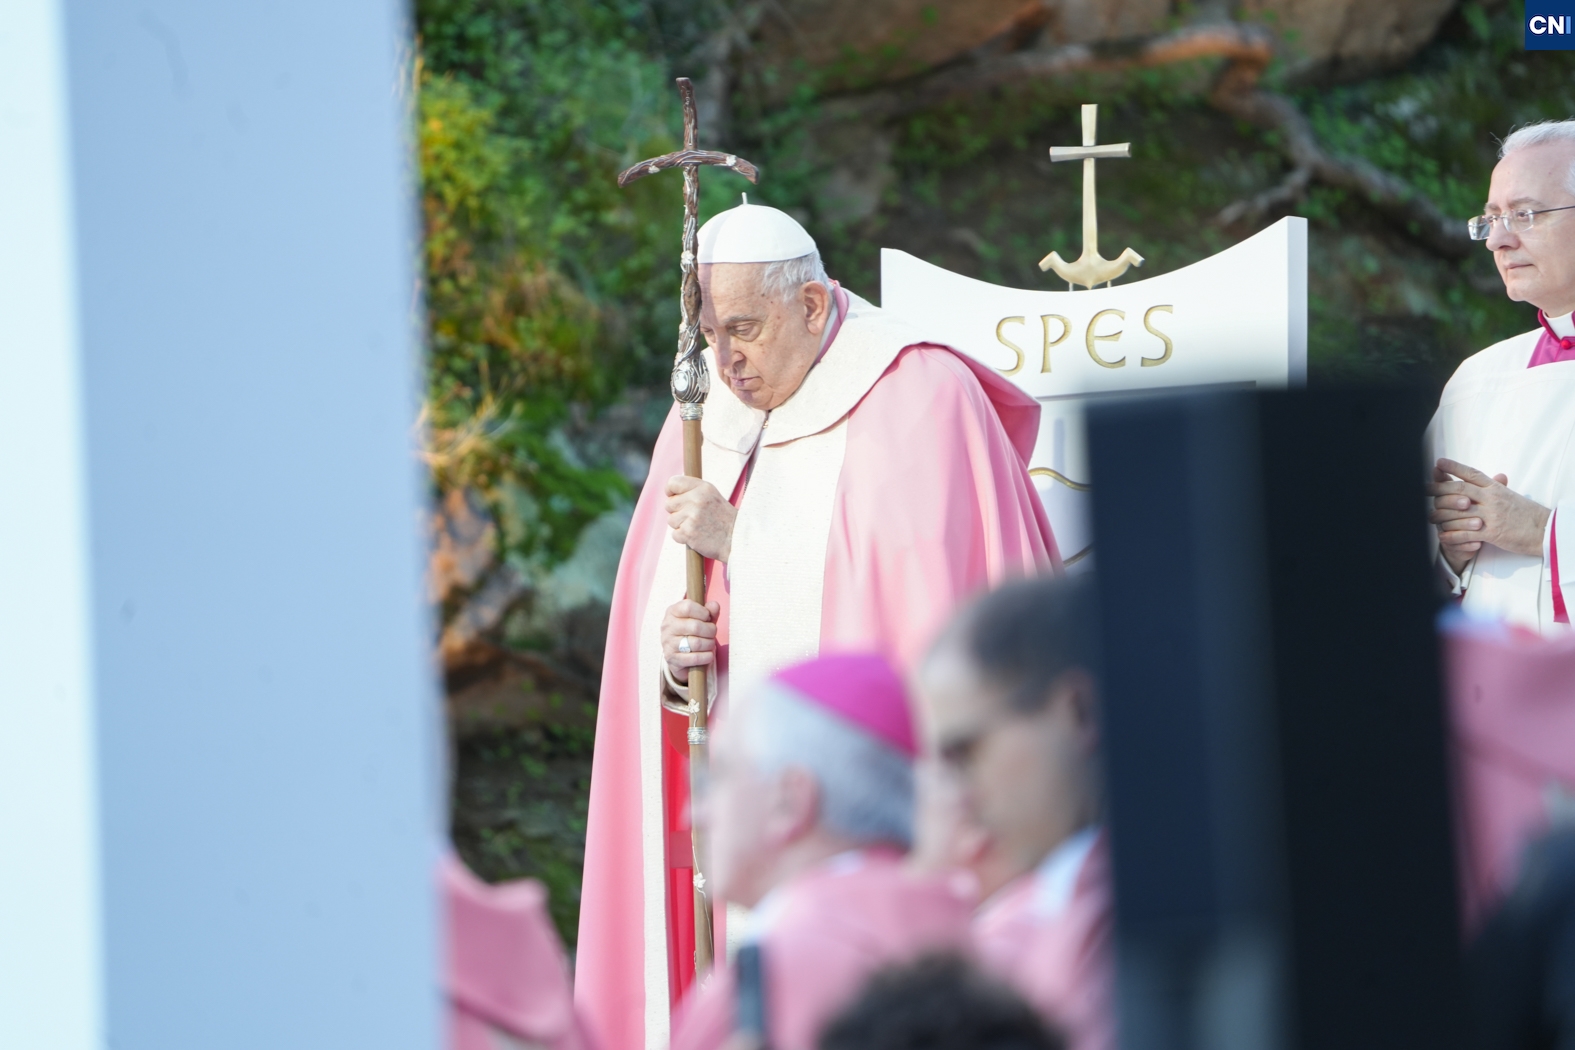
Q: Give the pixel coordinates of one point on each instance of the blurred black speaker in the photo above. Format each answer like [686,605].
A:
[750,1017]
[1274,729]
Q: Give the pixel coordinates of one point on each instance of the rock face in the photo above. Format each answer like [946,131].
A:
[839,48]
[463,544]
[852,45]
[871,41]
[1338,38]
[1091,21]
[473,592]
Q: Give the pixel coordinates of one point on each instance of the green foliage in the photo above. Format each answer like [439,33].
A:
[546,284]
[520,806]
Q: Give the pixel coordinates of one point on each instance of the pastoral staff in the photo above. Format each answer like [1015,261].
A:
[860,480]
[1503,439]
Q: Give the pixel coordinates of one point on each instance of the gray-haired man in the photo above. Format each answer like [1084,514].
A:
[809,812]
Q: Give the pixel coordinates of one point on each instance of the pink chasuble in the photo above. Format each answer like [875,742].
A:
[933,503]
[1048,935]
[923,524]
[828,932]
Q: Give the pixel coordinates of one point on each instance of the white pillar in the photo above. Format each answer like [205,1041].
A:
[219,801]
[50,925]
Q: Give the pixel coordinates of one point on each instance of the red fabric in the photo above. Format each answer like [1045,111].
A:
[680,856]
[835,928]
[1551,348]
[675,773]
[506,969]
[1560,612]
[861,688]
[1512,700]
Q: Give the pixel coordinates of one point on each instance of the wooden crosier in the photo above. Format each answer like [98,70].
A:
[691,383]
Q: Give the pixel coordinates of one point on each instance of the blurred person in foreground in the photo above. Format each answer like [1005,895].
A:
[1503,439]
[1521,965]
[860,481]
[1512,703]
[941,1002]
[1008,702]
[809,813]
[505,975]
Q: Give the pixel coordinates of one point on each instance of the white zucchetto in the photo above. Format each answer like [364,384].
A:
[753,233]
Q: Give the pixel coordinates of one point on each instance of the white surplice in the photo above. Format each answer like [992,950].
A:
[1501,417]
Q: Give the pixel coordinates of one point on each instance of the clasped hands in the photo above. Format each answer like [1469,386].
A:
[702,521]
[1470,509]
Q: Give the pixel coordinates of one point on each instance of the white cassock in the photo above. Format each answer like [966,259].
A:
[1503,417]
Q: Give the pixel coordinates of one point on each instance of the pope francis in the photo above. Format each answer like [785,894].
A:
[860,481]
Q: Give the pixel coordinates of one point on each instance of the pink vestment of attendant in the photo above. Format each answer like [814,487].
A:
[1512,698]
[830,930]
[1048,935]
[506,972]
[932,504]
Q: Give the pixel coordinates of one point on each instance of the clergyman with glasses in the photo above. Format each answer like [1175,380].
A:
[1503,439]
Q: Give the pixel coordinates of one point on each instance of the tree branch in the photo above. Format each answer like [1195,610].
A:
[1251,209]
[1237,94]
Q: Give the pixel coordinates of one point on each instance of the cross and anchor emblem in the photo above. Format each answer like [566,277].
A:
[1090,268]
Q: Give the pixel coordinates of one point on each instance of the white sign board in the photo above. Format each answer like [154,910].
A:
[1238,318]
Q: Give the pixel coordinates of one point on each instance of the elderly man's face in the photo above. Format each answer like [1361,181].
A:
[1538,266]
[764,346]
[1026,778]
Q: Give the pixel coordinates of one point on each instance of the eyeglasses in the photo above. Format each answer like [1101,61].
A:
[1520,221]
